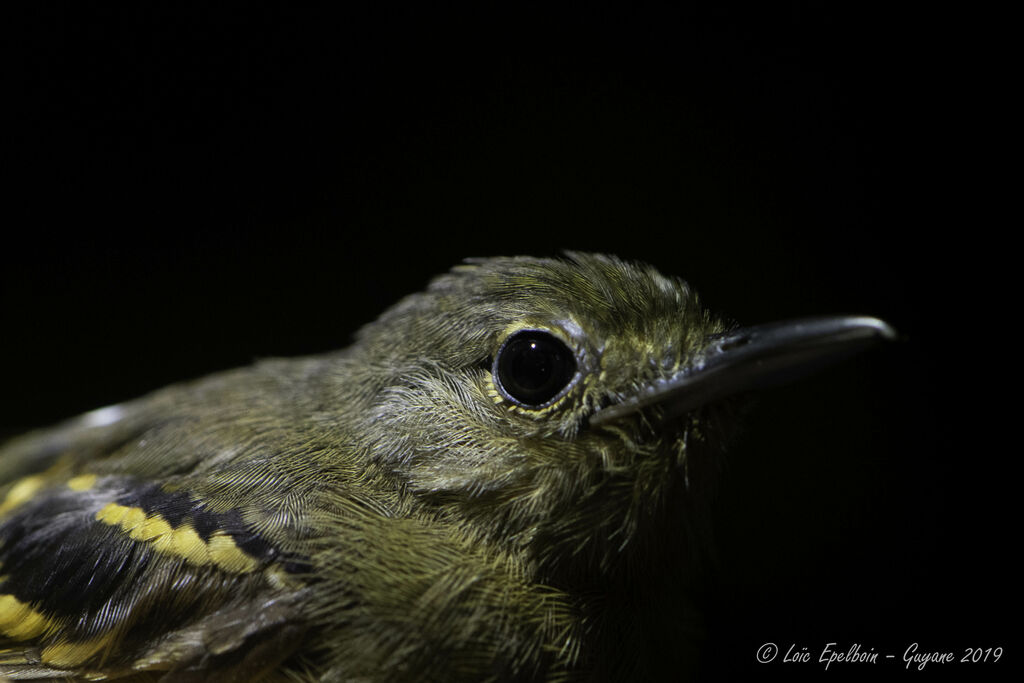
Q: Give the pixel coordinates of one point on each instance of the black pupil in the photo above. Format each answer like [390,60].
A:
[534,367]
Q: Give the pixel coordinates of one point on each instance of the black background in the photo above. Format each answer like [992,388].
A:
[200,186]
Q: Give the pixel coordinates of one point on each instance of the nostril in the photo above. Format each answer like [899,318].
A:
[734,342]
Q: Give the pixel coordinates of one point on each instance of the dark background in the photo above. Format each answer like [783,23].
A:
[197,187]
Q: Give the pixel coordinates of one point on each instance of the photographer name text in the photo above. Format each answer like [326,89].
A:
[913,657]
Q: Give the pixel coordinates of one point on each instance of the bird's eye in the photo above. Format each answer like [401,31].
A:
[533,367]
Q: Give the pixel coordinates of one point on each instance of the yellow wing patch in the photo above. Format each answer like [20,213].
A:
[22,492]
[66,654]
[82,482]
[183,541]
[19,621]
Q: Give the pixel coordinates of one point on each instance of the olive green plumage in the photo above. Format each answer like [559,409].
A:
[386,512]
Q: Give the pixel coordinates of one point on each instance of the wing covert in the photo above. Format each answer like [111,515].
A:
[96,569]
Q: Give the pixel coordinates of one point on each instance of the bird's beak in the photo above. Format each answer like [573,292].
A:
[753,358]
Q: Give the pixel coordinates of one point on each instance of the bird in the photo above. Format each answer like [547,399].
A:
[504,477]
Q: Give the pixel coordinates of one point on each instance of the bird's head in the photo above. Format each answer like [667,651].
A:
[566,409]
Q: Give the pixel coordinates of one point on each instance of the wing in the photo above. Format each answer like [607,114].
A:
[135,542]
